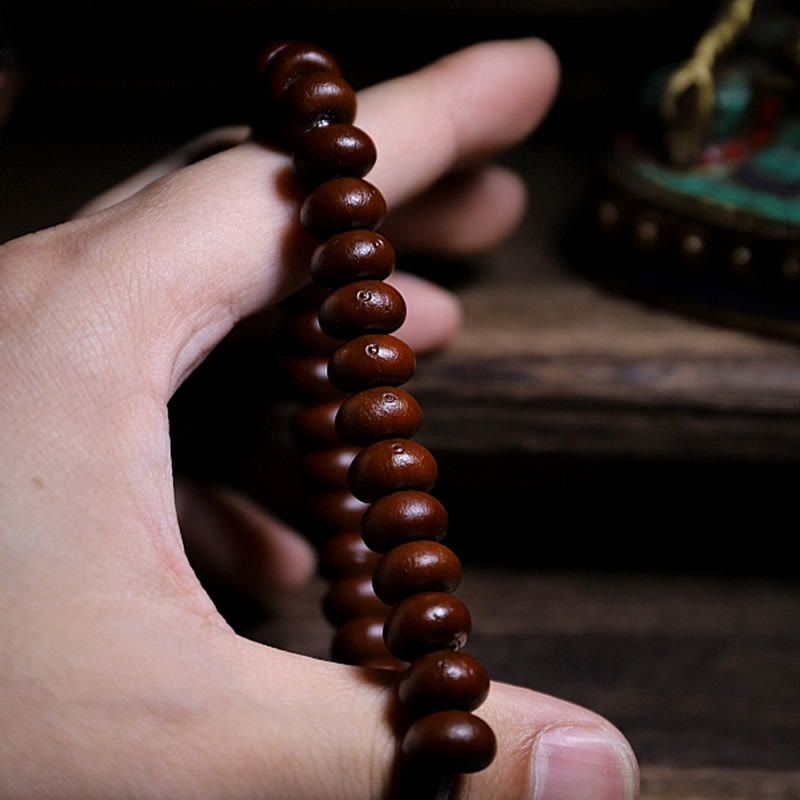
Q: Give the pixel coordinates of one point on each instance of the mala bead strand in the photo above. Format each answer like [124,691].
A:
[391,587]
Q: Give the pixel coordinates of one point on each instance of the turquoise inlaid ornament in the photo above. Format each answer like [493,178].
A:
[707,210]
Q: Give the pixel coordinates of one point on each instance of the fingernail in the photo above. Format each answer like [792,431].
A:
[583,763]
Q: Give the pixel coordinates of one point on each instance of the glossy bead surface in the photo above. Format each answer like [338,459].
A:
[401,517]
[391,465]
[426,622]
[372,360]
[346,554]
[379,413]
[338,511]
[352,256]
[328,468]
[321,98]
[285,63]
[444,679]
[332,151]
[360,641]
[350,597]
[452,741]
[300,334]
[309,378]
[416,567]
[315,426]
[342,204]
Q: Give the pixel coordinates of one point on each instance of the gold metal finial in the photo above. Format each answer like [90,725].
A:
[687,103]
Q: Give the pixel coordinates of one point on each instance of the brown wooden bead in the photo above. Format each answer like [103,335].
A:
[309,378]
[391,465]
[309,298]
[361,308]
[450,741]
[426,622]
[346,554]
[332,151]
[328,468]
[444,679]
[360,641]
[339,511]
[322,98]
[283,65]
[401,517]
[301,335]
[416,567]
[350,597]
[372,360]
[315,426]
[378,413]
[342,204]
[352,256]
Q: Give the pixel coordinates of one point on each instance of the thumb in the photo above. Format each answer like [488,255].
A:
[311,730]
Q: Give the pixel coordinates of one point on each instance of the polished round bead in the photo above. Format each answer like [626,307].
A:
[426,622]
[352,256]
[328,468]
[372,360]
[342,204]
[391,465]
[309,378]
[450,741]
[360,641]
[332,151]
[362,308]
[314,426]
[379,413]
[346,554]
[319,99]
[350,597]
[444,679]
[400,517]
[338,511]
[284,63]
[416,567]
[301,335]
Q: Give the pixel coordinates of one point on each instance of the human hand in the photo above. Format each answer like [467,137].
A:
[119,678]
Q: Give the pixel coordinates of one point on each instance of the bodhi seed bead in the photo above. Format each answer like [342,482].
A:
[425,622]
[373,360]
[444,679]
[378,413]
[350,597]
[317,99]
[360,641]
[285,64]
[309,378]
[315,426]
[390,466]
[342,204]
[346,554]
[328,468]
[332,151]
[352,256]
[361,308]
[403,517]
[338,510]
[416,567]
[300,334]
[452,741]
